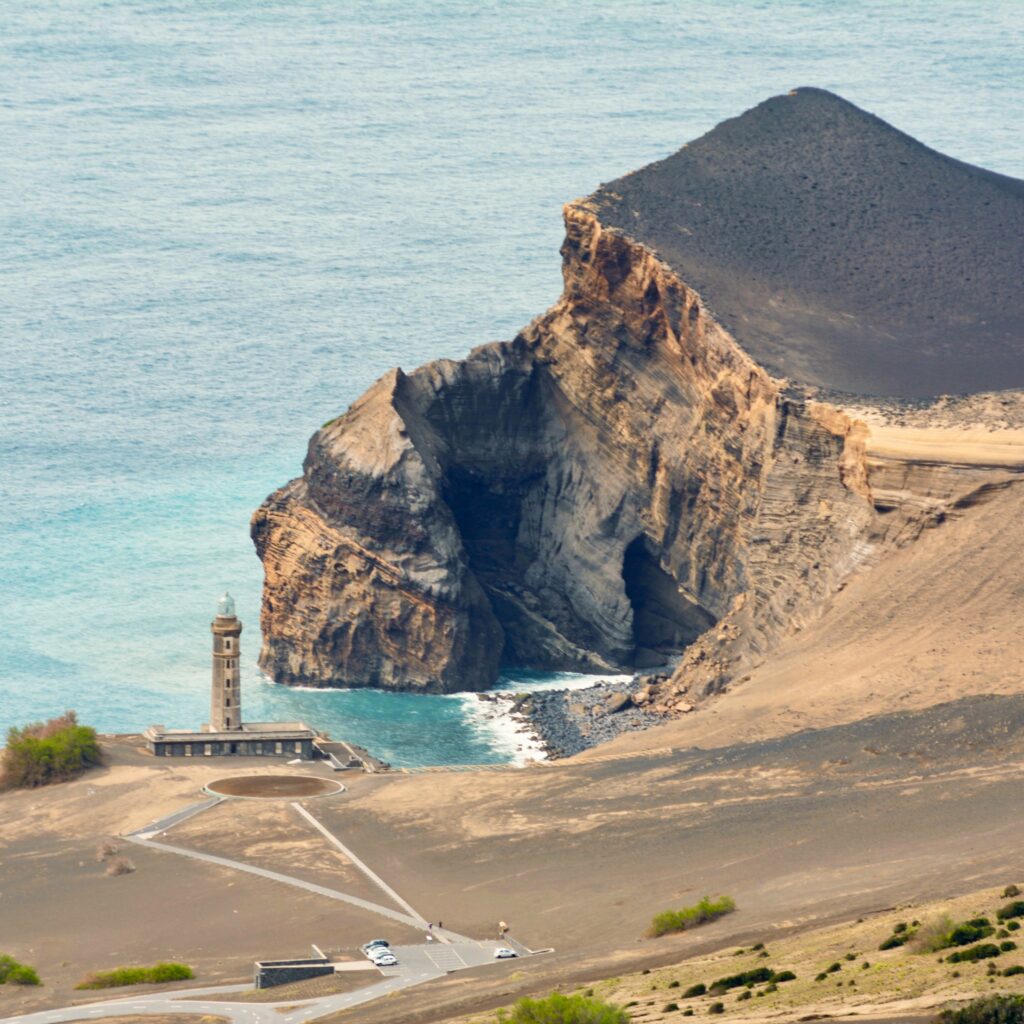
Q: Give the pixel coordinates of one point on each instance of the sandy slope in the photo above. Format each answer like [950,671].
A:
[937,620]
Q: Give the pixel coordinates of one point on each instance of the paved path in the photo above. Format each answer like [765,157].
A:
[276,876]
[370,874]
[416,964]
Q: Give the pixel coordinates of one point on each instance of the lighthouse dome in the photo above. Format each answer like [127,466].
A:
[226,607]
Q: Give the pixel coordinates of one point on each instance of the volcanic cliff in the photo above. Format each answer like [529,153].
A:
[626,481]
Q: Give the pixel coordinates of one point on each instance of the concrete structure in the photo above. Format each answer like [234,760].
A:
[270,973]
[226,733]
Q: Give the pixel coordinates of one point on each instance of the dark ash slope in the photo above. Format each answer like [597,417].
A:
[839,251]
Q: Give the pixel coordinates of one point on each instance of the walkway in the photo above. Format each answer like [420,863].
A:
[416,964]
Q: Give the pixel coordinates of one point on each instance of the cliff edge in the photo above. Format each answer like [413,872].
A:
[624,483]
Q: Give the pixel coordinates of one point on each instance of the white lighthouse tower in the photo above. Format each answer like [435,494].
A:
[226,696]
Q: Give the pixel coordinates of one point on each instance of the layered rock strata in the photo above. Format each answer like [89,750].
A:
[620,484]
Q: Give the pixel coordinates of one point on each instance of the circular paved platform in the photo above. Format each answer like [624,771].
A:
[273,787]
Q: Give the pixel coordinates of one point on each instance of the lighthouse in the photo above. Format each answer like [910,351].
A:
[225,734]
[226,695]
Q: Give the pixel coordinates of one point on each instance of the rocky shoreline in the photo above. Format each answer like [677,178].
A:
[567,722]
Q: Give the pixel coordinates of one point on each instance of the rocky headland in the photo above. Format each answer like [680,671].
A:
[731,410]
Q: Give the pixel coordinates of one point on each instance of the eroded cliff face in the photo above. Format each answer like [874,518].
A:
[619,484]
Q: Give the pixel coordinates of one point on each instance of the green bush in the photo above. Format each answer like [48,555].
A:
[892,942]
[972,953]
[1011,971]
[988,1010]
[965,934]
[121,976]
[783,976]
[673,984]
[1010,891]
[1007,946]
[1012,926]
[745,994]
[669,1007]
[689,917]
[23,975]
[716,1008]
[754,977]
[695,990]
[47,752]
[560,1009]
[16,973]
[1015,909]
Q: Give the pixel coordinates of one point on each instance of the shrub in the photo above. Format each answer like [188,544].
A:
[745,994]
[695,990]
[671,984]
[559,1009]
[832,968]
[753,977]
[688,1012]
[1007,946]
[47,752]
[1015,909]
[900,928]
[757,948]
[987,1010]
[689,917]
[783,976]
[865,965]
[22,974]
[965,934]
[120,866]
[1012,926]
[850,956]
[933,935]
[821,977]
[1011,971]
[157,974]
[16,973]
[716,1008]
[972,953]
[892,942]
[669,1007]
[1010,891]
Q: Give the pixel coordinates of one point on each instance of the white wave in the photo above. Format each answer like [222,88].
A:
[511,737]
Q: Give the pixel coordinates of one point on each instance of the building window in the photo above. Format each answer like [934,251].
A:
[227,721]
[227,643]
[278,748]
[227,703]
[206,749]
[259,748]
[188,749]
[298,748]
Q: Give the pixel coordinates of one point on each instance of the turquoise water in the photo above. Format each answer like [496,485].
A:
[221,222]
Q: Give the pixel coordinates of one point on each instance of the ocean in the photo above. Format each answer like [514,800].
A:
[222,222]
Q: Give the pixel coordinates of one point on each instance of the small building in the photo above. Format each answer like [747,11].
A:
[227,734]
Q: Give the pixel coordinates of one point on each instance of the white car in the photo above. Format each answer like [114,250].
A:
[385,960]
[504,953]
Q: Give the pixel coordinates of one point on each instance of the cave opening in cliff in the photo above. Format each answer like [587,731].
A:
[665,621]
